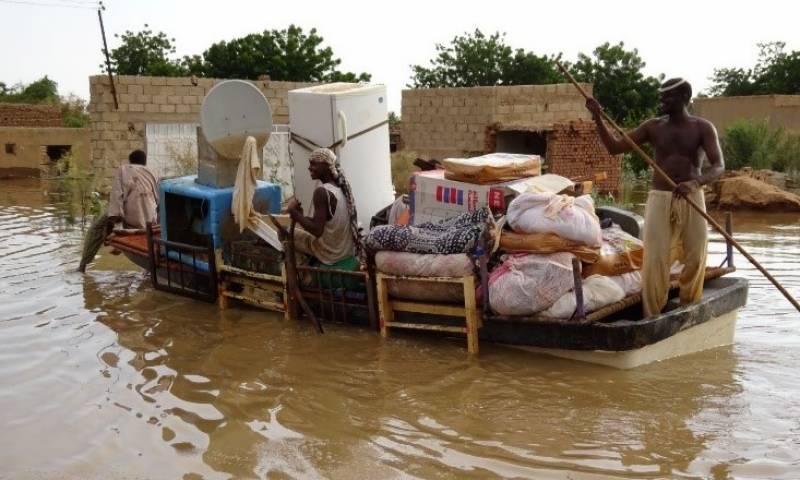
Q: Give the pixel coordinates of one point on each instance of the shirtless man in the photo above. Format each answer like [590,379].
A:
[672,229]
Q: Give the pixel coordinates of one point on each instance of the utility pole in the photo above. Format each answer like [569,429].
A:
[105,51]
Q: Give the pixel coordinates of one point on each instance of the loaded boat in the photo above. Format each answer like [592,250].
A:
[199,251]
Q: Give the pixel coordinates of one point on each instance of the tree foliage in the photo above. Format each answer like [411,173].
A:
[474,59]
[288,55]
[756,144]
[775,72]
[145,53]
[45,91]
[626,93]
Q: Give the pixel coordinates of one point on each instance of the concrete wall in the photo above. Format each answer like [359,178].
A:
[777,110]
[459,122]
[27,115]
[143,100]
[29,147]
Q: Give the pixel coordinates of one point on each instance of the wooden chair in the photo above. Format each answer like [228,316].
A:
[472,317]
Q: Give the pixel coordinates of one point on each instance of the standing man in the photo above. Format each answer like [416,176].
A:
[671,224]
[133,203]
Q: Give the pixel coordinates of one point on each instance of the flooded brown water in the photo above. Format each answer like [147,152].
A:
[103,377]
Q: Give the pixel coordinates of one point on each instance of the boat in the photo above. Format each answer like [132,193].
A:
[198,257]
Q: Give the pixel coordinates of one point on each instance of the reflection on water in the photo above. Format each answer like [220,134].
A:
[103,377]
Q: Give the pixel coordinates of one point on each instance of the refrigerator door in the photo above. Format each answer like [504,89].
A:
[314,113]
[366,159]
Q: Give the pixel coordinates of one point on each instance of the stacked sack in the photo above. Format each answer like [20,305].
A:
[428,250]
[547,231]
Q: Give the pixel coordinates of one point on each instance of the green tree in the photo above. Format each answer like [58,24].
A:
[145,53]
[43,90]
[474,59]
[775,72]
[627,95]
[287,55]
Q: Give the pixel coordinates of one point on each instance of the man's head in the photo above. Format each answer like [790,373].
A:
[138,157]
[675,94]
[322,165]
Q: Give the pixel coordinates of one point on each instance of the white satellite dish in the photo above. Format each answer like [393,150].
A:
[232,111]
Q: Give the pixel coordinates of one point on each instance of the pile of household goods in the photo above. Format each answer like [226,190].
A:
[545,232]
[530,229]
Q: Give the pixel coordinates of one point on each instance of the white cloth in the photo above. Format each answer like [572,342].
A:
[245,186]
[134,196]
[567,217]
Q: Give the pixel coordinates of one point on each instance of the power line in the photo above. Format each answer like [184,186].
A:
[55,5]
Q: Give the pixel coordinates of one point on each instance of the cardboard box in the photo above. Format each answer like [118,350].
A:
[433,198]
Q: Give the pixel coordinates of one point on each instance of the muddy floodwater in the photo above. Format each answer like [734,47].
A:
[102,377]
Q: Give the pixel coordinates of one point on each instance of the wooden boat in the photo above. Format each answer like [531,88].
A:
[615,336]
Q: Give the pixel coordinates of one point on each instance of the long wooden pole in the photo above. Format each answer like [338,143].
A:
[672,184]
[105,51]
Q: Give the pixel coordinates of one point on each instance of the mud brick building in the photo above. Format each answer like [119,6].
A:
[548,120]
[155,105]
[32,139]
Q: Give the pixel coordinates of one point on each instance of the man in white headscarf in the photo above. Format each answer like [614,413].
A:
[331,233]
[672,228]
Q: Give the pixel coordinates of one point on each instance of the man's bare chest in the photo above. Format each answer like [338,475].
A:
[682,140]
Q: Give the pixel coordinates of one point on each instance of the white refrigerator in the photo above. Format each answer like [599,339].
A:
[324,114]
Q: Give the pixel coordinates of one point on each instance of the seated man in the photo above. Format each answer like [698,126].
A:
[134,194]
[330,234]
[133,202]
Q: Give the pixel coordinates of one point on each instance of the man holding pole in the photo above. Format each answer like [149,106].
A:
[673,229]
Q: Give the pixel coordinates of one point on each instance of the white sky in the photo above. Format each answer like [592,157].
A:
[675,37]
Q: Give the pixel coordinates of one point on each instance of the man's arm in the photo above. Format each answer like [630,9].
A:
[116,201]
[314,225]
[714,155]
[613,144]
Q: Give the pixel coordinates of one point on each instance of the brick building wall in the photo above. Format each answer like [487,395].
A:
[574,151]
[143,100]
[446,122]
[27,115]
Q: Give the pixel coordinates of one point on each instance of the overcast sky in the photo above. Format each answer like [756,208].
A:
[677,37]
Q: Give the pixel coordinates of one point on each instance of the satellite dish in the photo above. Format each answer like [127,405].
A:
[232,111]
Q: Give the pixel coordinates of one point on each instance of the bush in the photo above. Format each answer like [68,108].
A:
[402,168]
[755,144]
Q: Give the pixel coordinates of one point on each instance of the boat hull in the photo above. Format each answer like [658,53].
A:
[626,343]
[717,332]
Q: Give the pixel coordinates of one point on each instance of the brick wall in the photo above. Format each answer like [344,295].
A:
[442,122]
[574,150]
[144,100]
[26,115]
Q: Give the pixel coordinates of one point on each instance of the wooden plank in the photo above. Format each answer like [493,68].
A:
[458,280]
[256,283]
[246,273]
[427,326]
[385,311]
[276,306]
[431,308]
[471,315]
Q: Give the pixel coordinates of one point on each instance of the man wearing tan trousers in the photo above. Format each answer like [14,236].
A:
[673,230]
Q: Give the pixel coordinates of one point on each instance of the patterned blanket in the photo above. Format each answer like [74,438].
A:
[455,235]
